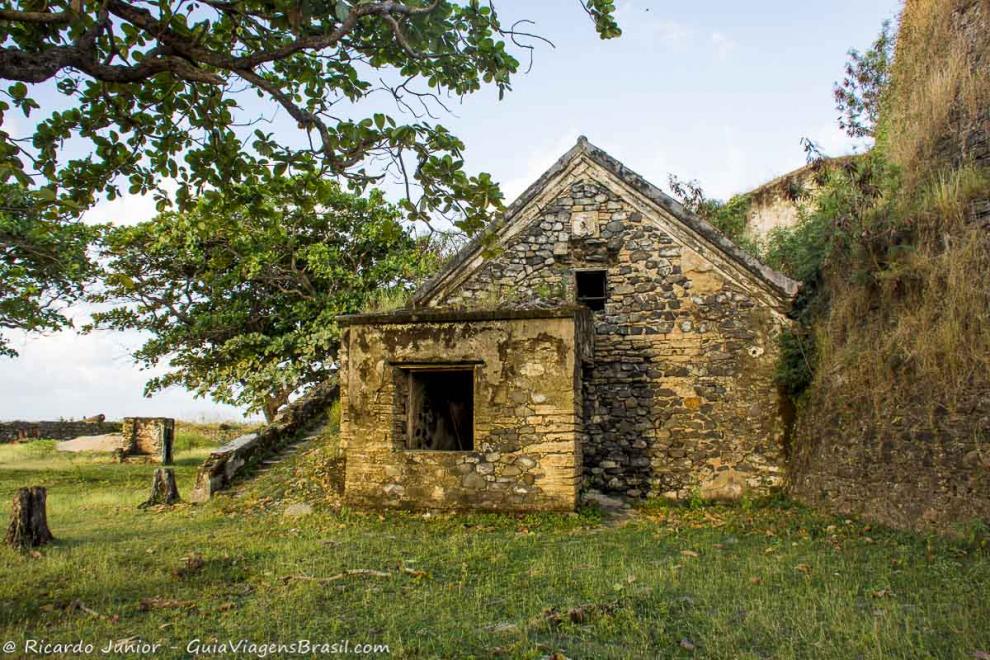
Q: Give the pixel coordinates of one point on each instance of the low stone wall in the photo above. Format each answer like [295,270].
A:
[228,462]
[911,474]
[61,430]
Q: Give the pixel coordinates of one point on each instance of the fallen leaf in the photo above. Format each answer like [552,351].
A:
[339,576]
[689,553]
[882,593]
[502,627]
[81,606]
[190,564]
[687,644]
[578,615]
[803,568]
[226,607]
[756,580]
[159,603]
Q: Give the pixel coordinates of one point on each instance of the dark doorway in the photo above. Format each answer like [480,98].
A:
[591,288]
[441,410]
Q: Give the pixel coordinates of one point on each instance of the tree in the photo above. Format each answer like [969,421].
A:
[43,262]
[157,90]
[240,292]
[730,217]
[867,77]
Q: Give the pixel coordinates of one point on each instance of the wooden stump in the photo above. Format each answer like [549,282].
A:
[163,489]
[28,519]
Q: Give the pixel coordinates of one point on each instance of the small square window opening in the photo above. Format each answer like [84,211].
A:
[591,288]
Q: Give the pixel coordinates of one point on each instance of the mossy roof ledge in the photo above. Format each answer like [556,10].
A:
[457,315]
[782,285]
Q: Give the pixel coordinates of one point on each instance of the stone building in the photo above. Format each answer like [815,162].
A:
[599,335]
[784,200]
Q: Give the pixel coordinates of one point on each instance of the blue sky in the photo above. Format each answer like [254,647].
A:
[718,91]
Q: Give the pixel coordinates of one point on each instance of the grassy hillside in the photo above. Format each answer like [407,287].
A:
[895,351]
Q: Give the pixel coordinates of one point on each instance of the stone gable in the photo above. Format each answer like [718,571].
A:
[681,396]
[662,385]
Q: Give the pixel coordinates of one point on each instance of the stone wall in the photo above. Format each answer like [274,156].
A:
[919,462]
[913,474]
[149,436]
[61,430]
[782,202]
[681,396]
[527,419]
[230,462]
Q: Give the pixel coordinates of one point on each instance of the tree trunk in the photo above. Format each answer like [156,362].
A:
[163,489]
[273,403]
[29,519]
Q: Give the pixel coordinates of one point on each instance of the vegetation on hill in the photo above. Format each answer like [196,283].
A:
[729,217]
[896,307]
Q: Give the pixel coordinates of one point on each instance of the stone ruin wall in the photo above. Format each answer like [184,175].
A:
[527,451]
[60,430]
[149,436]
[681,398]
[774,210]
[915,471]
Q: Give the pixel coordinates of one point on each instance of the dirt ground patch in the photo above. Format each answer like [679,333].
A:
[107,442]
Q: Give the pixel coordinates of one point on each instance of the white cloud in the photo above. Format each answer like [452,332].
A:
[721,44]
[669,33]
[833,141]
[128,209]
[639,23]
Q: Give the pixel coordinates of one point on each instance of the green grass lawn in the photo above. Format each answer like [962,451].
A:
[765,580]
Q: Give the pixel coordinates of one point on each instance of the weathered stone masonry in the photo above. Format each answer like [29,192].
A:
[681,396]
[60,430]
[527,408]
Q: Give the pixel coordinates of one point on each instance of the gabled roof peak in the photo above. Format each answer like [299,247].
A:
[783,286]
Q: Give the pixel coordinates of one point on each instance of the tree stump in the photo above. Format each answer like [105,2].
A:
[29,519]
[163,489]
